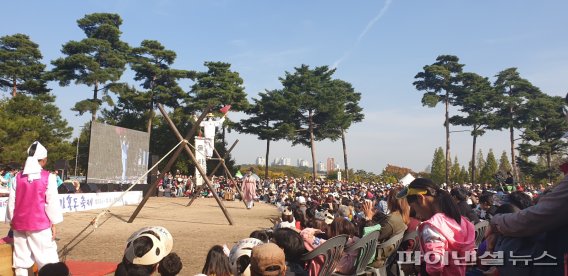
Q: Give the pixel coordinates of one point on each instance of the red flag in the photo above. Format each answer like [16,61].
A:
[225,109]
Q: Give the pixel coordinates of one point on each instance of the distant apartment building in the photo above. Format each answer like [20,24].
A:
[303,163]
[282,161]
[260,161]
[330,164]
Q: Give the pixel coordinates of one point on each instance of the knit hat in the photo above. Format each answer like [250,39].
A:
[268,259]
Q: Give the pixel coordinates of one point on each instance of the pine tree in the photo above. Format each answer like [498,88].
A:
[312,102]
[25,119]
[438,173]
[515,91]
[464,175]
[455,171]
[440,81]
[490,169]
[21,69]
[480,163]
[504,165]
[97,61]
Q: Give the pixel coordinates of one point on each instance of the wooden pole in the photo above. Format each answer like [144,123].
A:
[198,190]
[169,165]
[197,165]
[231,177]
[224,157]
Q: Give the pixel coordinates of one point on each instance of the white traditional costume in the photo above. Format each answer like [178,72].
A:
[33,206]
[209,133]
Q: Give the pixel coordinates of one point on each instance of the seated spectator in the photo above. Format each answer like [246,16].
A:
[291,242]
[54,269]
[268,259]
[144,250]
[520,200]
[261,235]
[486,206]
[459,196]
[443,230]
[170,265]
[342,226]
[216,263]
[300,220]
[239,256]
[287,219]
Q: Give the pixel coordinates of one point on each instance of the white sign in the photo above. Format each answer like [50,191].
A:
[86,201]
[201,159]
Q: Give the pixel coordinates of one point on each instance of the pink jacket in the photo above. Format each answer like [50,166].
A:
[30,213]
[442,239]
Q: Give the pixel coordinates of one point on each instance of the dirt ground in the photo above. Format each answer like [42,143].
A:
[195,229]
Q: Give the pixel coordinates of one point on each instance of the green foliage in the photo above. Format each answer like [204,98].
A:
[515,92]
[464,175]
[97,61]
[21,69]
[455,172]
[268,120]
[504,165]
[479,163]
[364,176]
[217,87]
[315,104]
[25,119]
[438,172]
[488,171]
[439,80]
[151,63]
[545,126]
[476,99]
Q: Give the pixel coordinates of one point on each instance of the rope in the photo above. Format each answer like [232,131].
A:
[95,222]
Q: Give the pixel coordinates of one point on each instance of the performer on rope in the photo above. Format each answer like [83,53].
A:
[209,126]
[33,210]
[249,187]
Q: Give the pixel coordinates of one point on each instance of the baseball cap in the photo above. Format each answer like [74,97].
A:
[267,259]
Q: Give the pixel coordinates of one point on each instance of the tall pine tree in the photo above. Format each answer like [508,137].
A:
[97,61]
[504,165]
[21,69]
[438,172]
[440,81]
[490,169]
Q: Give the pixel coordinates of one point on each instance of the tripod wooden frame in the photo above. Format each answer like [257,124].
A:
[174,157]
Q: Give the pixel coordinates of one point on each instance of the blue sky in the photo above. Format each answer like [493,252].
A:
[378,46]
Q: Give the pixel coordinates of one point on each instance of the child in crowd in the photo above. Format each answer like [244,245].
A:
[342,226]
[443,232]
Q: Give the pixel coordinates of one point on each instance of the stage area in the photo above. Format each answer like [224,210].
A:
[195,229]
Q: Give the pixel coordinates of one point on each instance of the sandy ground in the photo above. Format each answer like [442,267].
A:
[195,229]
